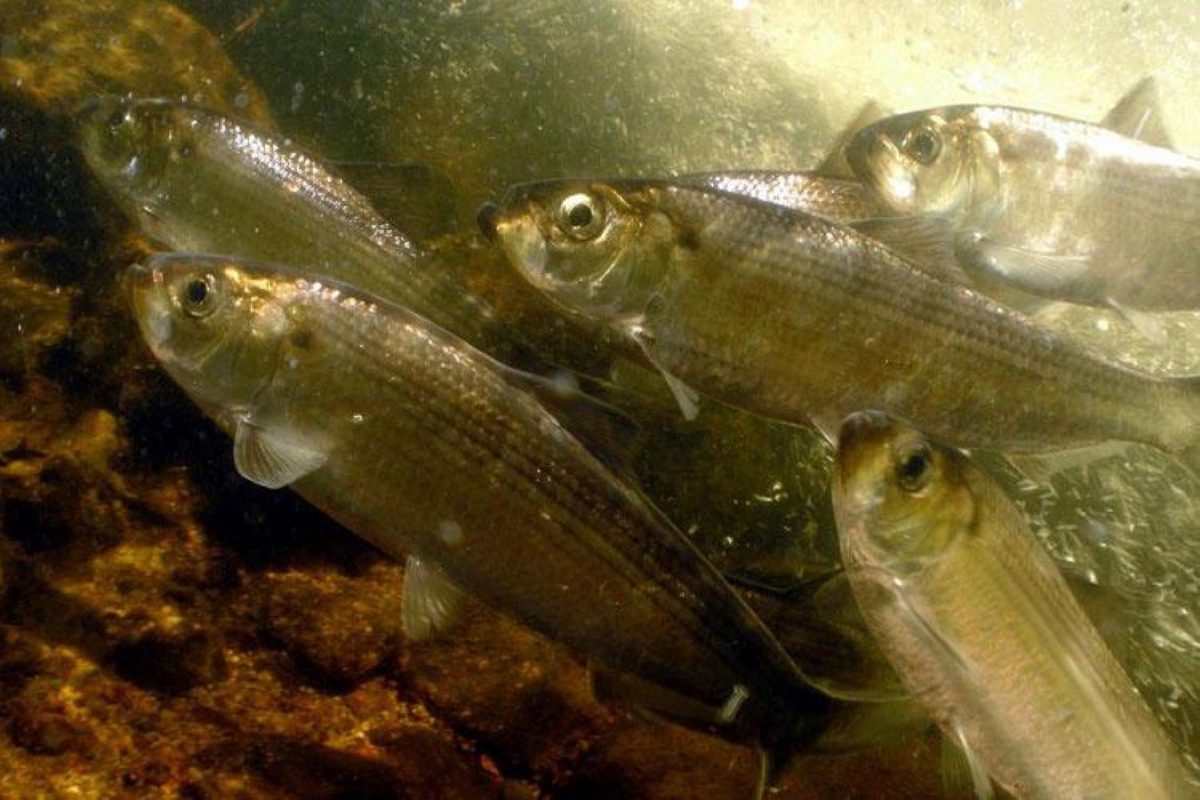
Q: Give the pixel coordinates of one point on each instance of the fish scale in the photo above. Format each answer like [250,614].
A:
[983,629]
[793,316]
[202,182]
[426,432]
[808,264]
[1057,207]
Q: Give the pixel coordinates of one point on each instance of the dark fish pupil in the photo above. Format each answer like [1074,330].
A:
[913,467]
[910,471]
[116,119]
[196,292]
[580,216]
[924,147]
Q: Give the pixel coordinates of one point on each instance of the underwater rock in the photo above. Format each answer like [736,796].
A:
[57,53]
[34,316]
[170,664]
[341,628]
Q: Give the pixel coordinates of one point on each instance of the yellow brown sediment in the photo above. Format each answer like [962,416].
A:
[58,53]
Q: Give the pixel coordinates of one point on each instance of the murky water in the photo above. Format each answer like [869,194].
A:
[131,547]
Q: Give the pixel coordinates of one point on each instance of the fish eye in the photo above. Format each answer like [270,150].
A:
[912,467]
[116,119]
[923,145]
[581,216]
[198,297]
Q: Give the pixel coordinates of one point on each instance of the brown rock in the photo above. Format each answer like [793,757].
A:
[58,53]
[339,629]
[170,663]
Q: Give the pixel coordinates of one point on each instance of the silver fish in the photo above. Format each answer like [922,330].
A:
[421,444]
[836,198]
[795,317]
[200,181]
[1054,206]
[982,627]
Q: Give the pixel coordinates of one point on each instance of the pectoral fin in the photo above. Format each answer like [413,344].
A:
[687,397]
[1138,115]
[1037,273]
[271,458]
[432,602]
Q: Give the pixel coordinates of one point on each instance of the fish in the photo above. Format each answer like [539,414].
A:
[837,198]
[927,241]
[982,628]
[796,318]
[426,447]
[200,181]
[1055,207]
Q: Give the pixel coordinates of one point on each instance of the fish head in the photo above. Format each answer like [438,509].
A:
[132,143]
[927,162]
[900,497]
[215,324]
[596,249]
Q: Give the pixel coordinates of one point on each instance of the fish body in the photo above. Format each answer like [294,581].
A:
[837,198]
[421,444]
[983,629]
[795,317]
[202,182]
[1054,206]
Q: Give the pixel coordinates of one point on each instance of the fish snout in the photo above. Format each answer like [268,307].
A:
[487,218]
[137,278]
[861,423]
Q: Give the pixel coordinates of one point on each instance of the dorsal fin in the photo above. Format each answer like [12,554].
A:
[835,165]
[417,199]
[1138,115]
[609,433]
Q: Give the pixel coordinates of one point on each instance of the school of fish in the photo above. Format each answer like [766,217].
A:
[855,327]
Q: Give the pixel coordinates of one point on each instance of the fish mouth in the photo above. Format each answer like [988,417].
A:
[486,219]
[143,284]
